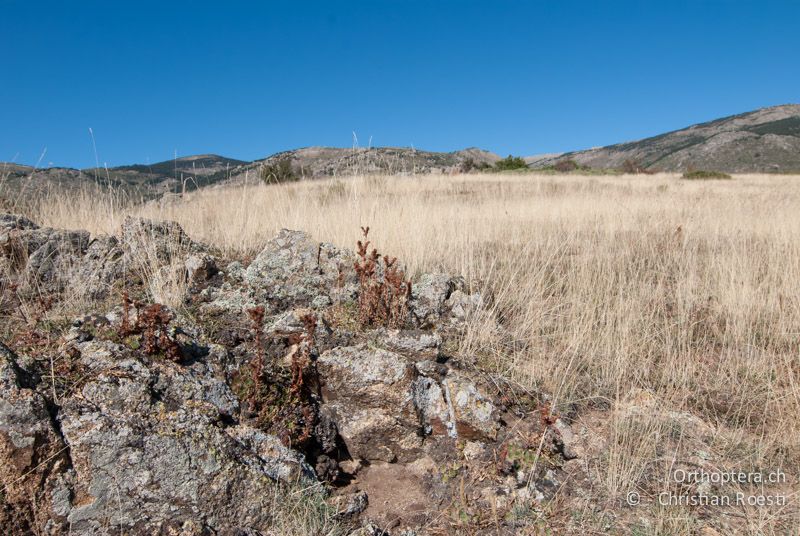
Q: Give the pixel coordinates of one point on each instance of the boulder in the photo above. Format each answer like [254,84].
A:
[148,446]
[385,405]
[156,240]
[42,257]
[295,271]
[32,455]
[441,300]
[367,393]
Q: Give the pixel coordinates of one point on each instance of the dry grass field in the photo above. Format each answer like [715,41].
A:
[663,314]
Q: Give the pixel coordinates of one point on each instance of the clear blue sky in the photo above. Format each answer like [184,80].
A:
[246,79]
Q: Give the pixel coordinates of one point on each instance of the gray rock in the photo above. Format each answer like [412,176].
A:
[42,257]
[413,343]
[473,413]
[461,305]
[101,266]
[200,267]
[150,239]
[428,296]
[294,270]
[430,402]
[367,393]
[384,407]
[149,449]
[14,222]
[32,454]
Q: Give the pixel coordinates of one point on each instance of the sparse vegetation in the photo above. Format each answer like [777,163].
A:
[700,174]
[565,166]
[511,163]
[278,170]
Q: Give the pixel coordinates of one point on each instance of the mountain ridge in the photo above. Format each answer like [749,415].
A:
[762,140]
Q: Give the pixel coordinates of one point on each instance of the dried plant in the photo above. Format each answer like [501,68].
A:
[154,322]
[283,402]
[383,297]
[256,315]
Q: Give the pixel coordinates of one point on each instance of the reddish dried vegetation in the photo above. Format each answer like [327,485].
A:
[282,401]
[382,298]
[152,322]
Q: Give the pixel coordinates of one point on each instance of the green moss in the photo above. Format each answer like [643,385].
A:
[132,341]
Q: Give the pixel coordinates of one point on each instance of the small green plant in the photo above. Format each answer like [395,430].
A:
[279,170]
[701,175]
[510,163]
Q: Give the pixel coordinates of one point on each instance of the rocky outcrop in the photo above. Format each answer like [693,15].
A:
[150,449]
[34,457]
[165,421]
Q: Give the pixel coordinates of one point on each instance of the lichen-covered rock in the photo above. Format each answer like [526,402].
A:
[461,305]
[415,344]
[471,411]
[441,299]
[100,268]
[367,393]
[200,267]
[295,271]
[138,438]
[385,404]
[429,399]
[14,222]
[32,455]
[42,257]
[149,239]
[149,448]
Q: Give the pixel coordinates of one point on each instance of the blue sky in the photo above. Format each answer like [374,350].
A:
[246,79]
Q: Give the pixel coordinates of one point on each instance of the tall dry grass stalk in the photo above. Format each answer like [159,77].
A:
[687,289]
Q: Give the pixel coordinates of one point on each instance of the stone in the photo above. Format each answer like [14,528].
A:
[366,392]
[440,299]
[472,411]
[413,343]
[200,267]
[32,454]
[148,448]
[428,296]
[155,241]
[295,271]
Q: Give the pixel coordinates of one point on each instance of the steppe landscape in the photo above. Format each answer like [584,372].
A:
[605,331]
[400,268]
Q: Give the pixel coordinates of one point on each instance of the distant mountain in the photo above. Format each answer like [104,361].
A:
[202,164]
[765,140]
[191,172]
[139,180]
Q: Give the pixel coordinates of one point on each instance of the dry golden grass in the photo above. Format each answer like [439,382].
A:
[687,290]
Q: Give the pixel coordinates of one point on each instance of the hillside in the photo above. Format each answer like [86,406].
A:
[334,161]
[765,140]
[19,182]
[192,172]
